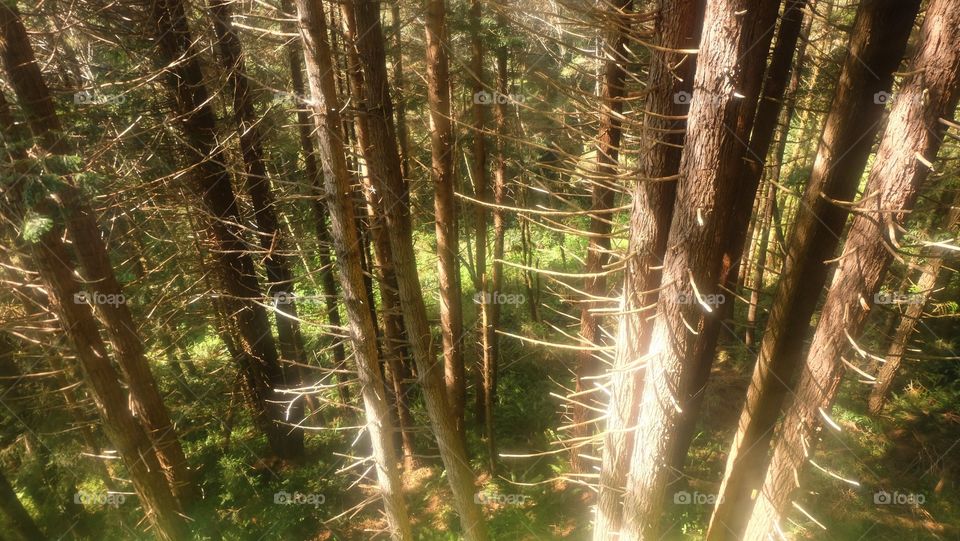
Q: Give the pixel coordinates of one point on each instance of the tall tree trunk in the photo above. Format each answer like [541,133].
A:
[326,115]
[910,142]
[312,171]
[259,363]
[670,82]
[35,97]
[691,270]
[394,342]
[616,17]
[876,45]
[480,174]
[385,174]
[756,123]
[275,260]
[490,312]
[441,173]
[398,86]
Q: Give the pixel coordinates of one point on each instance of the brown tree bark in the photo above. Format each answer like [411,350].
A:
[325,108]
[616,16]
[276,260]
[35,98]
[670,82]
[444,206]
[691,270]
[876,45]
[259,363]
[328,281]
[756,123]
[910,142]
[398,88]
[385,174]
[394,342]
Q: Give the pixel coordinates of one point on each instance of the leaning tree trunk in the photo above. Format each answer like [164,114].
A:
[617,17]
[441,173]
[24,75]
[385,174]
[876,45]
[756,124]
[705,192]
[671,75]
[910,143]
[326,115]
[275,260]
[259,363]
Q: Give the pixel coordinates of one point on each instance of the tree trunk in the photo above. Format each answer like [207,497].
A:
[398,86]
[312,171]
[691,271]
[670,82]
[326,115]
[911,140]
[394,340]
[441,173]
[617,17]
[36,99]
[259,362]
[275,260]
[876,45]
[385,174]
[762,126]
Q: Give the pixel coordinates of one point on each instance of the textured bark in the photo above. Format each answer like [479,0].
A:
[328,281]
[35,97]
[276,260]
[259,363]
[913,136]
[758,117]
[876,45]
[385,174]
[705,192]
[398,86]
[444,206]
[325,108]
[394,341]
[616,17]
[671,72]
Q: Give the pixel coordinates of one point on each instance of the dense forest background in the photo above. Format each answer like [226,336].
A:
[476,269]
